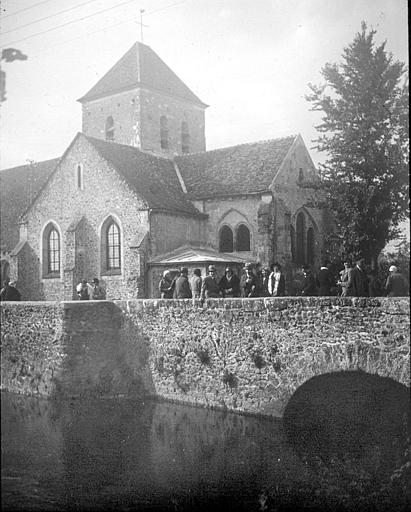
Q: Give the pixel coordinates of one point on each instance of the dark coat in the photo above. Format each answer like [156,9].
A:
[359,283]
[166,288]
[309,287]
[182,288]
[10,293]
[396,285]
[250,287]
[209,288]
[230,287]
[324,282]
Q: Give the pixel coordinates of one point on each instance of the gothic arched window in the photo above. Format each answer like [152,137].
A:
[300,252]
[310,246]
[292,241]
[243,238]
[226,239]
[51,251]
[79,176]
[113,248]
[109,128]
[185,138]
[163,132]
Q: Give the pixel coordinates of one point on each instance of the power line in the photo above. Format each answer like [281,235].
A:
[48,17]
[26,9]
[68,23]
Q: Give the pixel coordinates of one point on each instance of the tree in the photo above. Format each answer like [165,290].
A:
[364,131]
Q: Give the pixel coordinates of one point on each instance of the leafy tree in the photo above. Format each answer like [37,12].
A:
[364,131]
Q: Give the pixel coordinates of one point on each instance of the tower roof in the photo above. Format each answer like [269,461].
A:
[141,67]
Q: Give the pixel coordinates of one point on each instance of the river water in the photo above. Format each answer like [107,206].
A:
[127,455]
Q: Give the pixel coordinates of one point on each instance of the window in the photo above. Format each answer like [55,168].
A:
[310,246]
[226,239]
[300,256]
[5,272]
[292,240]
[113,247]
[163,132]
[79,177]
[51,251]
[185,138]
[243,238]
[109,128]
[300,175]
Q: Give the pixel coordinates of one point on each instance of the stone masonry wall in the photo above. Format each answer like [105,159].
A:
[244,355]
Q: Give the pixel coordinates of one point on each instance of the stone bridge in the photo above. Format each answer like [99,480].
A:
[244,355]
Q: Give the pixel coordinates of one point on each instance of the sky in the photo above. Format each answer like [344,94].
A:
[250,60]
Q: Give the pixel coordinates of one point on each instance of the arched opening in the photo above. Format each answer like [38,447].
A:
[243,238]
[111,247]
[5,272]
[226,239]
[292,242]
[300,252]
[51,251]
[110,128]
[79,176]
[310,246]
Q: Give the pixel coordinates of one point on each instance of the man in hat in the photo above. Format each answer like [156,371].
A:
[359,280]
[345,279]
[97,292]
[230,284]
[9,292]
[182,286]
[309,286]
[396,285]
[209,286]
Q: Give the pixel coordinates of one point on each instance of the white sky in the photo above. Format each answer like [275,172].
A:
[250,60]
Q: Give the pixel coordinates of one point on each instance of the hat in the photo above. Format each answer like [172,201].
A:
[393,268]
[211,267]
[165,273]
[95,280]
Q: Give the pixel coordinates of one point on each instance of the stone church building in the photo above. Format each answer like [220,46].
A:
[136,193]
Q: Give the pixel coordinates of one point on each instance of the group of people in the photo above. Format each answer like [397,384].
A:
[270,282]
[87,291]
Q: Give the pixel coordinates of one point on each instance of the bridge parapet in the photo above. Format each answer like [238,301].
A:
[246,355]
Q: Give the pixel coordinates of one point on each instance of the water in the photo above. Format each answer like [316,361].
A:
[127,455]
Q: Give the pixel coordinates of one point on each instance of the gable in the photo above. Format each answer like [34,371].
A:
[243,169]
[141,67]
[18,188]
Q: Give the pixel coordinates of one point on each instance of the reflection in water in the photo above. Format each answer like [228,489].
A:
[127,455]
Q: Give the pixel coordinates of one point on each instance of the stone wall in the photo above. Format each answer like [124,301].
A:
[244,355]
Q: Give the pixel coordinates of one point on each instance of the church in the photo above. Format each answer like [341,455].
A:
[136,192]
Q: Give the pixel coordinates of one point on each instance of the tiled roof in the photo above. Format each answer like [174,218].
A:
[242,169]
[141,66]
[151,177]
[18,187]
[190,254]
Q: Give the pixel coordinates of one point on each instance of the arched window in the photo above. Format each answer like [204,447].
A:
[243,238]
[300,256]
[185,138]
[5,272]
[226,239]
[163,132]
[79,176]
[51,251]
[113,248]
[109,128]
[310,246]
[292,240]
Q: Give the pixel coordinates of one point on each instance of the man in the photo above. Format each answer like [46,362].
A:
[276,283]
[166,286]
[97,292]
[9,292]
[396,285]
[345,279]
[182,286]
[359,280]
[84,290]
[324,281]
[230,284]
[309,287]
[209,286]
[195,283]
[250,286]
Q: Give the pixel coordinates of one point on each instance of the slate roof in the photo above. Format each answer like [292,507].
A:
[190,254]
[151,177]
[141,66]
[18,187]
[243,169]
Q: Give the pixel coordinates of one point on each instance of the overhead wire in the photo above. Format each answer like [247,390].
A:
[48,17]
[26,8]
[67,23]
